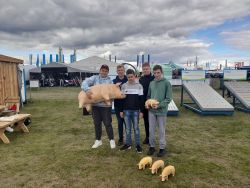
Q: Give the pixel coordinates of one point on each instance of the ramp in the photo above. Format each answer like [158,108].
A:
[206,101]
[241,94]
[172,109]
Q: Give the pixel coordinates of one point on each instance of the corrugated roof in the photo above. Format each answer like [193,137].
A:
[7,59]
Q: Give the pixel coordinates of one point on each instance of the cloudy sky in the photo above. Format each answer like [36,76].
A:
[169,30]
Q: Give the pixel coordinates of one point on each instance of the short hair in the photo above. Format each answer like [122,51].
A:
[105,67]
[157,67]
[146,64]
[130,71]
[120,66]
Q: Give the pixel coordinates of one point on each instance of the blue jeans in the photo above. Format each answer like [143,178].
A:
[131,117]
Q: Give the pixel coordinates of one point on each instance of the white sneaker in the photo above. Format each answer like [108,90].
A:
[112,144]
[97,144]
[9,129]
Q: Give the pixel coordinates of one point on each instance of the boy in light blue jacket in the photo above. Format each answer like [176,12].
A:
[101,112]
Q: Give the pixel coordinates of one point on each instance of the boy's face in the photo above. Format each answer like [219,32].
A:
[146,70]
[131,78]
[104,73]
[121,72]
[157,74]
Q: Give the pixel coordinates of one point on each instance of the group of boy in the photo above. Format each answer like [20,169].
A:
[130,109]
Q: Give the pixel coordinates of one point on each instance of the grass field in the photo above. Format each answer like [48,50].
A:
[206,151]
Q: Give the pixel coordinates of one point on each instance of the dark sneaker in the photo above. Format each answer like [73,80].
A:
[151,151]
[146,141]
[125,147]
[120,142]
[161,153]
[138,149]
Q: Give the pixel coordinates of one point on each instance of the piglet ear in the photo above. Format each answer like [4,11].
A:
[118,84]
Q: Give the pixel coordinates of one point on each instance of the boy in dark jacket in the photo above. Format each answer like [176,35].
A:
[132,108]
[120,78]
[145,80]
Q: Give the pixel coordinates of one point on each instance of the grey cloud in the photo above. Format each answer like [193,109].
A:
[162,49]
[83,24]
[237,39]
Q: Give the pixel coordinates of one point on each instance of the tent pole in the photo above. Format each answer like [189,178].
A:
[81,77]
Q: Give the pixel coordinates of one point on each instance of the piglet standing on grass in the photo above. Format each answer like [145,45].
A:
[169,170]
[156,166]
[145,161]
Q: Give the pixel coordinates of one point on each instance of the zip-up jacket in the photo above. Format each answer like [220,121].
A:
[119,102]
[134,96]
[145,81]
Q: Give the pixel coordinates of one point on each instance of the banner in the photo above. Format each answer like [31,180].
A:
[34,83]
[193,75]
[235,74]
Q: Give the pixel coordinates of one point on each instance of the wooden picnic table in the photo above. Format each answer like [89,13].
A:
[17,124]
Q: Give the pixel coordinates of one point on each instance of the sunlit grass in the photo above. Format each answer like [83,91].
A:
[206,151]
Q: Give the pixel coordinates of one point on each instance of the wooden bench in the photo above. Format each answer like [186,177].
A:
[3,125]
[17,124]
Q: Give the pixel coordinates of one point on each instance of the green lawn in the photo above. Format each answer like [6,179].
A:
[206,151]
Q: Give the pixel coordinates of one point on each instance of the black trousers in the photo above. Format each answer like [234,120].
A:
[146,123]
[102,114]
[120,122]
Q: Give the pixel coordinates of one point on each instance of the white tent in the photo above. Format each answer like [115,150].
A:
[93,64]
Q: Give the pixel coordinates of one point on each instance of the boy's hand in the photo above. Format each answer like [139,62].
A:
[121,114]
[89,93]
[155,106]
[141,115]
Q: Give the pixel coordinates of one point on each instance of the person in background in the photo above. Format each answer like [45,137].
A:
[120,78]
[145,81]
[101,112]
[131,109]
[161,90]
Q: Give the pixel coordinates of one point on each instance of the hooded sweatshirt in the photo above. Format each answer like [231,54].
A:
[161,90]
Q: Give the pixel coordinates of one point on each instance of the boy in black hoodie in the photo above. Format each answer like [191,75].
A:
[145,81]
[120,78]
